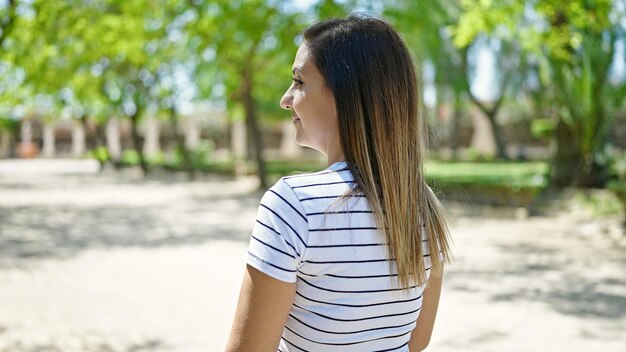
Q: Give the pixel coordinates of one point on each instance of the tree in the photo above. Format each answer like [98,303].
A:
[114,63]
[424,27]
[577,56]
[430,28]
[251,49]
[574,45]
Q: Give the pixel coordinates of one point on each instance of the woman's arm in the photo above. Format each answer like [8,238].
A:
[262,311]
[420,336]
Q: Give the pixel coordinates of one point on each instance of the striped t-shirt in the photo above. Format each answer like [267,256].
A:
[346,296]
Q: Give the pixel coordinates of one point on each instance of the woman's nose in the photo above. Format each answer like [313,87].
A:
[286,102]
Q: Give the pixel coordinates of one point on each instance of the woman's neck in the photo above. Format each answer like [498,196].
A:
[335,158]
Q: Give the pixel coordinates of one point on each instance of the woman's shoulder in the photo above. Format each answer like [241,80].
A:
[337,172]
[312,189]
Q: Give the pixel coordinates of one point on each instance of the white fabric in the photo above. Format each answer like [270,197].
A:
[347,298]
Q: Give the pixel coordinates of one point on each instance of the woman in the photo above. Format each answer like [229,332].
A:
[339,260]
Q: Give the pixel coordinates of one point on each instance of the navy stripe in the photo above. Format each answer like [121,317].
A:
[343,229]
[348,261]
[306,327]
[350,332]
[270,264]
[392,349]
[292,207]
[354,277]
[364,276]
[361,291]
[349,245]
[342,212]
[322,184]
[359,319]
[359,305]
[286,223]
[279,234]
[274,248]
[294,345]
[361,277]
[346,343]
[327,197]
[348,277]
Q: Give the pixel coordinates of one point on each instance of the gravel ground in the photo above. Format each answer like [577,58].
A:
[111,263]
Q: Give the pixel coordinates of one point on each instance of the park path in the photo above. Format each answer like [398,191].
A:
[111,263]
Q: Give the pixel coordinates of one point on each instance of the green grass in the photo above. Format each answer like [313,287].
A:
[497,183]
[514,174]
[279,168]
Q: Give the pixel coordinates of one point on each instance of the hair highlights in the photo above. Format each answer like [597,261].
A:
[372,77]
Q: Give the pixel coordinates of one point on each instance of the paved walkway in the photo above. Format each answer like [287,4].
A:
[110,263]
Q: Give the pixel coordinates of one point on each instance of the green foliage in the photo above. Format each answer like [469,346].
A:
[486,17]
[615,160]
[8,124]
[100,153]
[157,158]
[572,45]
[99,59]
[473,155]
[202,154]
[252,49]
[599,204]
[130,157]
[542,128]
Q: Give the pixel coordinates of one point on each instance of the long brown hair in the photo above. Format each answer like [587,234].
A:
[372,77]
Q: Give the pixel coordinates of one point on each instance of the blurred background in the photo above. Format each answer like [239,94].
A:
[137,137]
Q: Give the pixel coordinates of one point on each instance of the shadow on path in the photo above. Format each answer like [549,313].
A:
[148,345]
[572,281]
[62,227]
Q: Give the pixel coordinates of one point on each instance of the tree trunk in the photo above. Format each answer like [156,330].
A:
[456,126]
[181,147]
[593,174]
[134,119]
[498,135]
[251,121]
[566,163]
[490,112]
[572,166]
[99,134]
[101,145]
[250,138]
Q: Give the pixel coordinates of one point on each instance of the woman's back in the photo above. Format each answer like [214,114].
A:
[329,249]
[347,296]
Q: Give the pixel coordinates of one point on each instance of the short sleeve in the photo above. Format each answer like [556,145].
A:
[279,235]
